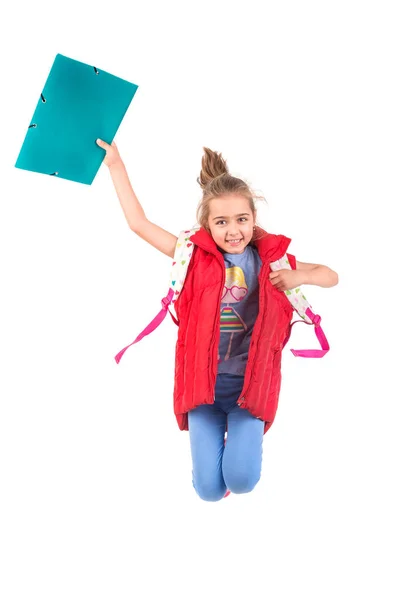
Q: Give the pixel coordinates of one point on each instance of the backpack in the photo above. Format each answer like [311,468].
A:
[183,253]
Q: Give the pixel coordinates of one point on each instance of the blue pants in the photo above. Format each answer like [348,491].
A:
[237,465]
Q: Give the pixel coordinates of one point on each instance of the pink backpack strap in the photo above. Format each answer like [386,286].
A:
[182,255]
[315,320]
[158,319]
[303,308]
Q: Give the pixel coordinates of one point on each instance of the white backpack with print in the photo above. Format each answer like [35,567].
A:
[182,256]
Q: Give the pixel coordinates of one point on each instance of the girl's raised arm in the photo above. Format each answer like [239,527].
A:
[133,211]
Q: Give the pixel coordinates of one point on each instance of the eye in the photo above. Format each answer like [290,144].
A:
[243,219]
[219,222]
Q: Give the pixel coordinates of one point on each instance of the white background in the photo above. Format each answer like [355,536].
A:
[302,99]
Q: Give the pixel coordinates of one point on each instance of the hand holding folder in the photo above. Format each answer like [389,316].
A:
[112,156]
[78,104]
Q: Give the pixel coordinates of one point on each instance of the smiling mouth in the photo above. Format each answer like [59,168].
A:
[234,242]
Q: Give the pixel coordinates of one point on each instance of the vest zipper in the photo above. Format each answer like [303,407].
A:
[214,352]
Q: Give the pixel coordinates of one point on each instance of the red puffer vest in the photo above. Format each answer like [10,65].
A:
[198,311]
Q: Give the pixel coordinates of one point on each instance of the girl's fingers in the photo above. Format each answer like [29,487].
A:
[106,146]
[102,144]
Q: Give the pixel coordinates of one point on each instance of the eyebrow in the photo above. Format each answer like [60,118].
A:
[239,215]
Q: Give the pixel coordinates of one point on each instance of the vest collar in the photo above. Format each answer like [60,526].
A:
[270,247]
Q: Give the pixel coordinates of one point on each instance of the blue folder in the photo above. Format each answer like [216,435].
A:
[78,104]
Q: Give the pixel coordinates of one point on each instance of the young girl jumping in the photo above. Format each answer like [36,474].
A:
[233,321]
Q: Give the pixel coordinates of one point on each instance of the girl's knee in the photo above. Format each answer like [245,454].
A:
[210,492]
[242,483]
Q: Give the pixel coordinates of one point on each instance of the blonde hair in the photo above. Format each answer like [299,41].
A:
[235,276]
[216,181]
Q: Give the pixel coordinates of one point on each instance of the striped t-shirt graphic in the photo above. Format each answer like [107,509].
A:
[234,291]
[239,308]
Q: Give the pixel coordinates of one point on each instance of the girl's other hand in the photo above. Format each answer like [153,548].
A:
[112,156]
[287,279]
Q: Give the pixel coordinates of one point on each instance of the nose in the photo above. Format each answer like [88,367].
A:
[233,230]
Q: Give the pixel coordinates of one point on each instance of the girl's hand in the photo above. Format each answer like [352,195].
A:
[286,279]
[112,156]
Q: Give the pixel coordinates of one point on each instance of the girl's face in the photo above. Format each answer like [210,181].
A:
[231,223]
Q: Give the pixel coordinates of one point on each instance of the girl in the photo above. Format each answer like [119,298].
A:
[233,320]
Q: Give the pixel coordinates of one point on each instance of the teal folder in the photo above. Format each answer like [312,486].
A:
[78,104]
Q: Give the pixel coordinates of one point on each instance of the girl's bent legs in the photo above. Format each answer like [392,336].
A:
[241,464]
[207,425]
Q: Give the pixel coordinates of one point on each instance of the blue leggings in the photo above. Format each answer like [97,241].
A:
[237,465]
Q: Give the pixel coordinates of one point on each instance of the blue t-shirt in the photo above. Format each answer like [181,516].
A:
[239,309]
